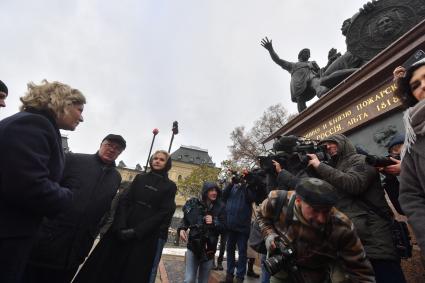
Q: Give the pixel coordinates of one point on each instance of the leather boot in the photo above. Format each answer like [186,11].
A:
[250,272]
[220,265]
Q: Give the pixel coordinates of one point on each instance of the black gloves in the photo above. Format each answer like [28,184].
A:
[126,234]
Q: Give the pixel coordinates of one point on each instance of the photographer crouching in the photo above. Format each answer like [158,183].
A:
[205,219]
[311,241]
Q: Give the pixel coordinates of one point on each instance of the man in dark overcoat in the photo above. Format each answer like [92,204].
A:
[64,242]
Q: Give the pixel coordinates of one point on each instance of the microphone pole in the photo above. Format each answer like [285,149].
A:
[175,130]
[154,132]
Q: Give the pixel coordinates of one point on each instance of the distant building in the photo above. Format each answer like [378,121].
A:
[186,159]
[128,174]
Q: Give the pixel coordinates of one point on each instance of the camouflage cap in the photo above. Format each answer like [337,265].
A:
[316,192]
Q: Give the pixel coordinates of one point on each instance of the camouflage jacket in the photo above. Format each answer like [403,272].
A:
[316,250]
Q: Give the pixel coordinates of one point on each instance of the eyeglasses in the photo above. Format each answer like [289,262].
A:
[113,146]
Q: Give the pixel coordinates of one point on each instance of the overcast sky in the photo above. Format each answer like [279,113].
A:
[144,64]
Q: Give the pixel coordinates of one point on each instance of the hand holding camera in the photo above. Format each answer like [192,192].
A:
[393,169]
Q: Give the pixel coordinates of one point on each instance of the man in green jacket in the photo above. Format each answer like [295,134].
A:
[359,195]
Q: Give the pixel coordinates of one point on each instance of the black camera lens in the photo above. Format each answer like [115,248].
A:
[274,264]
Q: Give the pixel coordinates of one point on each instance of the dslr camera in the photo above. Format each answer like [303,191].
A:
[283,259]
[379,161]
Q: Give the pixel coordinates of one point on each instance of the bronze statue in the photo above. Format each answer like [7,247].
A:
[305,82]
[377,24]
[341,67]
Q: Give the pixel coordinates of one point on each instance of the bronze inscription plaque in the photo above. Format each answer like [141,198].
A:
[359,112]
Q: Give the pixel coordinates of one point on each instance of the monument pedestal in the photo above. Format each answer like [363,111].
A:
[363,106]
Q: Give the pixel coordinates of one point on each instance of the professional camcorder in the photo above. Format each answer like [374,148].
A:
[291,152]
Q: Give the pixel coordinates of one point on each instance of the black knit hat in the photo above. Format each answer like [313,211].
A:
[316,192]
[396,139]
[116,138]
[3,87]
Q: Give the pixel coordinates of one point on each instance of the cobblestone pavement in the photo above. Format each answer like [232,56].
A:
[174,267]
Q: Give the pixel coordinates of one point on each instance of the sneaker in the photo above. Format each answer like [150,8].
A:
[239,280]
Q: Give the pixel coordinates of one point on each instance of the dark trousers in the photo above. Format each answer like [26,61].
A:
[241,240]
[36,274]
[387,271]
[223,241]
[158,253]
[14,254]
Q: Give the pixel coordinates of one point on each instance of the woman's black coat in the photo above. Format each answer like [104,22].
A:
[144,207]
[31,166]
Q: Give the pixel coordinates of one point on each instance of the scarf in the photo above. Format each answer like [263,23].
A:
[414,124]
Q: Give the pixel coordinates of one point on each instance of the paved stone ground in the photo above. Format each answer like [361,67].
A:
[174,267]
[171,269]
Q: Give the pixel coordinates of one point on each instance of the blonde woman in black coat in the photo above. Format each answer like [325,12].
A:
[127,251]
[31,166]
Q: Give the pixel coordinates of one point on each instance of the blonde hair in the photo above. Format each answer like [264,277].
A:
[167,155]
[53,96]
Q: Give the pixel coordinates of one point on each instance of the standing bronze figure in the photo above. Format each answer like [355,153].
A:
[305,81]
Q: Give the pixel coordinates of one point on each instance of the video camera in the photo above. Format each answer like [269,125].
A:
[291,153]
[253,177]
[256,181]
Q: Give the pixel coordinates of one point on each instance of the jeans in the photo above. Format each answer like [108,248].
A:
[194,266]
[159,248]
[241,240]
[265,276]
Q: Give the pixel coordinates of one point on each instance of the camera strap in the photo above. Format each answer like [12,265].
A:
[289,215]
[279,204]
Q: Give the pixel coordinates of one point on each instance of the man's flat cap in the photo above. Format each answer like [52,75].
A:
[116,138]
[3,87]
[316,192]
